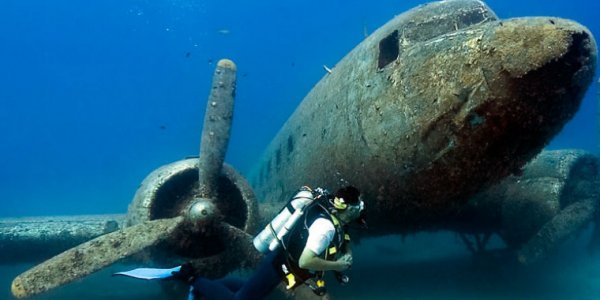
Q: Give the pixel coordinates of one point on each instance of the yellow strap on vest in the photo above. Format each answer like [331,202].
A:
[320,283]
[332,250]
[335,220]
[291,279]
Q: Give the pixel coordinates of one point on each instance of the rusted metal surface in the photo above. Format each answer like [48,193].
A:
[38,238]
[458,108]
[555,197]
[168,190]
[92,256]
[217,127]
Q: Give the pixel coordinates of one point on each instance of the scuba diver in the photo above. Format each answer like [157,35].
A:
[306,238]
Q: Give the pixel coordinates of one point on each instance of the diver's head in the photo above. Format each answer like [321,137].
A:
[349,205]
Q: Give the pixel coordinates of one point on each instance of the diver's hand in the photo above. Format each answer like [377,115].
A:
[344,263]
[347,257]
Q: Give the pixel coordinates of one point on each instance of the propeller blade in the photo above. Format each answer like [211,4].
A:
[239,252]
[91,256]
[241,244]
[571,219]
[217,126]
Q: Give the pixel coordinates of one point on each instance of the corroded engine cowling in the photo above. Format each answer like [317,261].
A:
[167,191]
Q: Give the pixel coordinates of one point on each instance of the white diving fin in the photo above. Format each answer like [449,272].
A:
[149,273]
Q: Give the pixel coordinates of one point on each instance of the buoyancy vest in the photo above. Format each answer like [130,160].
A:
[295,242]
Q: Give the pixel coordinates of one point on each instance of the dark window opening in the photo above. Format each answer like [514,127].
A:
[290,145]
[389,50]
[278,158]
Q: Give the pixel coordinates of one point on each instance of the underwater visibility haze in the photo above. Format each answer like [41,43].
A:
[97,96]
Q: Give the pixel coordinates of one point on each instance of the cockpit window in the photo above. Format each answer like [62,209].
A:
[388,50]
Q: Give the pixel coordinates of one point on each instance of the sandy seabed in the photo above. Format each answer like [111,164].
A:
[422,266]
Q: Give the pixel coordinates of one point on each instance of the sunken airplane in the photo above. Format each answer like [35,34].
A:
[424,116]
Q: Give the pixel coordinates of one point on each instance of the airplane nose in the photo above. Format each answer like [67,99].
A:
[540,69]
[554,53]
[501,90]
[487,99]
[526,44]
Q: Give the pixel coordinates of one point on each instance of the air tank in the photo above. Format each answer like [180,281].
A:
[268,239]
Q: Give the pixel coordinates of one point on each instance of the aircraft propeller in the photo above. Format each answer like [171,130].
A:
[197,209]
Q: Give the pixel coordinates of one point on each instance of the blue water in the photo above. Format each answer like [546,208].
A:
[95,95]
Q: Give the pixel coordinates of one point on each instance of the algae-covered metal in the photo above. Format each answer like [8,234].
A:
[438,103]
[91,256]
[35,238]
[555,197]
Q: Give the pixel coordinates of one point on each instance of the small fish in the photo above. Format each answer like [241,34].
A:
[223,31]
[188,54]
[327,69]
[163,127]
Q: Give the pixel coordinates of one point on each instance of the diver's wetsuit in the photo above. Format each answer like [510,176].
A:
[258,286]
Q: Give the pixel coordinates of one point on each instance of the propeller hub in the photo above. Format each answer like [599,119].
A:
[202,210]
